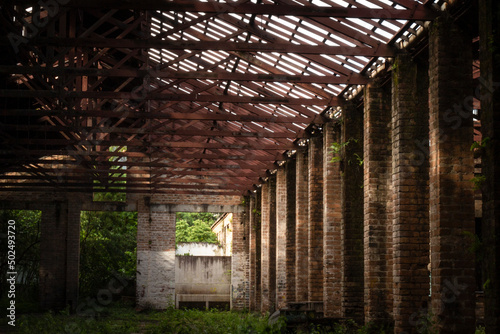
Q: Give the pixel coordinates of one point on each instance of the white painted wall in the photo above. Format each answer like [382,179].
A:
[199,249]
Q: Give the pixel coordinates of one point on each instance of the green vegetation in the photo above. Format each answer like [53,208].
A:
[27,245]
[123,319]
[195,227]
[107,249]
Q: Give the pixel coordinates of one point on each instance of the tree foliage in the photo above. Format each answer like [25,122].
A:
[27,253]
[107,247]
[195,227]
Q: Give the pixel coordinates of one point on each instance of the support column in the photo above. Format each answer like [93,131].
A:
[352,214]
[315,230]
[281,238]
[489,25]
[254,216]
[285,235]
[377,203]
[290,175]
[268,246]
[451,170]
[155,257]
[258,250]
[239,263]
[302,214]
[410,144]
[332,221]
[60,255]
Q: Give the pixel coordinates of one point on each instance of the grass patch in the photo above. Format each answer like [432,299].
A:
[124,319]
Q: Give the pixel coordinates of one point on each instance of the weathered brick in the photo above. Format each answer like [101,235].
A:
[410,128]
[352,216]
[315,224]
[489,23]
[377,204]
[301,234]
[268,245]
[451,191]
[332,220]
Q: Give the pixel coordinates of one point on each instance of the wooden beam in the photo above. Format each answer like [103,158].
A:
[381,50]
[355,79]
[98,172]
[416,13]
[333,101]
[146,190]
[156,132]
[134,180]
[197,116]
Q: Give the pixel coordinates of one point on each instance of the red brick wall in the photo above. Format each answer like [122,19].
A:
[268,245]
[301,234]
[352,214]
[155,257]
[254,220]
[332,220]
[290,230]
[315,226]
[240,297]
[451,171]
[490,159]
[377,164]
[281,238]
[410,127]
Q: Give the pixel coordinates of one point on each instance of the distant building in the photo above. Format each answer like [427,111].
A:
[223,227]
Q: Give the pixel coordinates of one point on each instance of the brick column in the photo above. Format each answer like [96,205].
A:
[268,245]
[332,221]
[352,214]
[451,170]
[290,175]
[281,238]
[254,219]
[315,229]
[489,22]
[60,255]
[302,216]
[410,128]
[239,263]
[155,257]
[377,203]
[258,250]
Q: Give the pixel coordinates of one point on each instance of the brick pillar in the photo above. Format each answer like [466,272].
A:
[258,250]
[285,235]
[302,216]
[315,230]
[451,170]
[332,221]
[239,263]
[268,245]
[254,219]
[281,238]
[290,230]
[377,164]
[489,22]
[60,255]
[155,257]
[410,128]
[352,213]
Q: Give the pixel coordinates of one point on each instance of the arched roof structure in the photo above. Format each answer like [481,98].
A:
[177,96]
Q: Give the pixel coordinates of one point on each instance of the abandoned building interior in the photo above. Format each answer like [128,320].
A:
[353,141]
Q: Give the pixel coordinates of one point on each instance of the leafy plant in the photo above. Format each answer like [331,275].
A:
[337,150]
[478,181]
